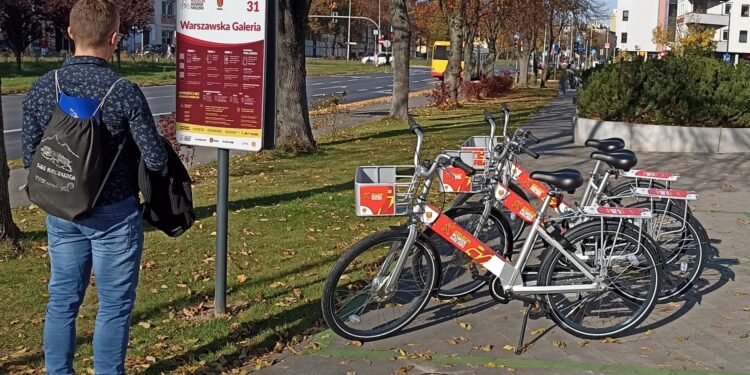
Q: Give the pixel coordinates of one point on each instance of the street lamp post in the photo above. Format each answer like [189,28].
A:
[349,32]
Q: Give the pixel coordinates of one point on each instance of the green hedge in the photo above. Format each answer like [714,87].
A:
[689,91]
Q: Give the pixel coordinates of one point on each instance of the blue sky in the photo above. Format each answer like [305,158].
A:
[612,4]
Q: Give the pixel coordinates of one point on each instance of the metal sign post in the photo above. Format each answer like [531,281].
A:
[226,92]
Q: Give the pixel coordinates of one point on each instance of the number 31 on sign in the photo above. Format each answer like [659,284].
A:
[253,6]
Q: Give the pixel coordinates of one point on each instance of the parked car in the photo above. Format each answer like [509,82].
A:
[384,58]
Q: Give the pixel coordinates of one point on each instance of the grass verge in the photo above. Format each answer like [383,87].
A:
[142,72]
[290,218]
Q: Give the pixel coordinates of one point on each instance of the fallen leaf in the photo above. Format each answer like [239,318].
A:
[277,284]
[484,348]
[682,338]
[647,349]
[509,347]
[583,343]
[297,293]
[351,373]
[151,358]
[145,325]
[610,340]
[648,333]
[466,326]
[354,343]
[560,344]
[404,370]
[745,335]
[538,331]
[241,279]
[746,308]
[493,365]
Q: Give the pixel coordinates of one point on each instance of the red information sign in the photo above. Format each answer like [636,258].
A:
[220,73]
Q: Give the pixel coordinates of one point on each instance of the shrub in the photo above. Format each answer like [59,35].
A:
[166,126]
[472,91]
[440,96]
[496,86]
[689,91]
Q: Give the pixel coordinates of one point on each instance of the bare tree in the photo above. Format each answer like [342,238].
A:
[21,24]
[294,133]
[401,54]
[455,15]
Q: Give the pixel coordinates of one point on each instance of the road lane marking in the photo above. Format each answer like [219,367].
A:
[362,90]
[160,97]
[12,131]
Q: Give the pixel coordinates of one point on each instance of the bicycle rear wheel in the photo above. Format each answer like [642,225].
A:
[683,243]
[459,274]
[631,271]
[354,305]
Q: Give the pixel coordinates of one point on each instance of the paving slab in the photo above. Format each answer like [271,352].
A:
[704,332]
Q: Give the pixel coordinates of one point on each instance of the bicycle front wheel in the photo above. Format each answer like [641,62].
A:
[623,259]
[356,305]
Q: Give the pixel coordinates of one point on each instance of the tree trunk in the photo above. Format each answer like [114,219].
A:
[18,60]
[455,14]
[293,120]
[488,69]
[8,229]
[401,49]
[468,55]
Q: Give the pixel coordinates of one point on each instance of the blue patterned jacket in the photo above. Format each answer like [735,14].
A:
[125,114]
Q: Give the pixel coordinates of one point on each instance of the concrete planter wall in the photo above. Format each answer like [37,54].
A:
[660,138]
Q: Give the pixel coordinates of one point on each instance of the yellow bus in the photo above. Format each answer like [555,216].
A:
[441,52]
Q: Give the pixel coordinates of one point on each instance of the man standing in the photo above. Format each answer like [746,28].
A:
[110,239]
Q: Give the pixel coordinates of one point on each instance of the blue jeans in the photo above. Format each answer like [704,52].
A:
[110,241]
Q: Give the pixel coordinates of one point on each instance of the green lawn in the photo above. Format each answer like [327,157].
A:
[323,67]
[290,218]
[143,72]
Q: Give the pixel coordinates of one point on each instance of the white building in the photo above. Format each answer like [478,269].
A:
[160,32]
[636,21]
[730,19]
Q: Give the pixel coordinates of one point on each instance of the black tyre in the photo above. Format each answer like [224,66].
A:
[632,273]
[683,243]
[517,226]
[459,275]
[352,305]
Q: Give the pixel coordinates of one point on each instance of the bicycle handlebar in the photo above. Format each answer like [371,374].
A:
[458,163]
[506,114]
[530,152]
[493,128]
[531,136]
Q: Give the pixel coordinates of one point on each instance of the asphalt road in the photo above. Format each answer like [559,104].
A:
[161,99]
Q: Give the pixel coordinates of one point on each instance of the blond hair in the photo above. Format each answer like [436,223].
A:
[92,22]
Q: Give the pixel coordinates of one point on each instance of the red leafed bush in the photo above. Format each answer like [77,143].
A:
[473,91]
[166,127]
[497,86]
[440,96]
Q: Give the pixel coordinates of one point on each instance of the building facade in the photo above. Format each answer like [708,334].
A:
[635,21]
[730,19]
[160,32]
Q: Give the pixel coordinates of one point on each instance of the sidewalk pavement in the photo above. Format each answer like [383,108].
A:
[706,331]
[204,155]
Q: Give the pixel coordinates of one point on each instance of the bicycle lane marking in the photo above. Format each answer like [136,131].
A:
[324,339]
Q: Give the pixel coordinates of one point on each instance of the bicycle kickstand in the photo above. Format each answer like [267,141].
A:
[519,348]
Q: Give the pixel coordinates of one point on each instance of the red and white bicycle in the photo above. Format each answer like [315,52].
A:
[382,282]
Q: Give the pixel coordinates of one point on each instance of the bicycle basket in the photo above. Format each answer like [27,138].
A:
[479,146]
[455,180]
[383,190]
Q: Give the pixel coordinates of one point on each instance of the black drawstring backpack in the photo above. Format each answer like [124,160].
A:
[66,175]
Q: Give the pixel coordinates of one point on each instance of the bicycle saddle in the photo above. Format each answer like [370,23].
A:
[621,159]
[564,179]
[606,145]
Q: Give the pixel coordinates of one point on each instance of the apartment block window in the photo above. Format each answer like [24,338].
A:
[625,15]
[743,36]
[727,8]
[725,35]
[624,38]
[745,10]
[167,8]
